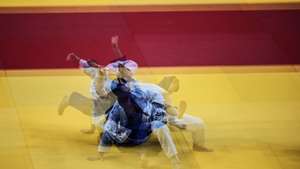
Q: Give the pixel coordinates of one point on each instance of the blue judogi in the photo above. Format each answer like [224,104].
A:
[133,116]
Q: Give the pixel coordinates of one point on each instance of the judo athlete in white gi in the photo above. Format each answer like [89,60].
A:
[179,118]
[136,114]
[168,86]
[100,101]
[140,109]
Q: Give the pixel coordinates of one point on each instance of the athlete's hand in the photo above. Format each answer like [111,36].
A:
[72,55]
[115,40]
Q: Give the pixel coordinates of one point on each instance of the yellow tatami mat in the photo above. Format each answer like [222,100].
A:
[252,117]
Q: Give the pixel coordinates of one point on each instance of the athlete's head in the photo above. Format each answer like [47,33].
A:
[92,63]
[124,72]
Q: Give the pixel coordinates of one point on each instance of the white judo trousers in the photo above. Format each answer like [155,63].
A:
[194,125]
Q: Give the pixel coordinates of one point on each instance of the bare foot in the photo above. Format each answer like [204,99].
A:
[176,164]
[96,158]
[87,131]
[202,149]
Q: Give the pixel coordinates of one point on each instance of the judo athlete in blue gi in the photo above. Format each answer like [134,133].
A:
[138,111]
[175,117]
[133,117]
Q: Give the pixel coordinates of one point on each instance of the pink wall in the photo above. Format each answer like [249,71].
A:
[153,39]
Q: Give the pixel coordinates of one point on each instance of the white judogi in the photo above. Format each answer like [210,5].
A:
[97,89]
[194,125]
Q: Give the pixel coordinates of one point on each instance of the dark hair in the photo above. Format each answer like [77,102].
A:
[121,65]
[91,62]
